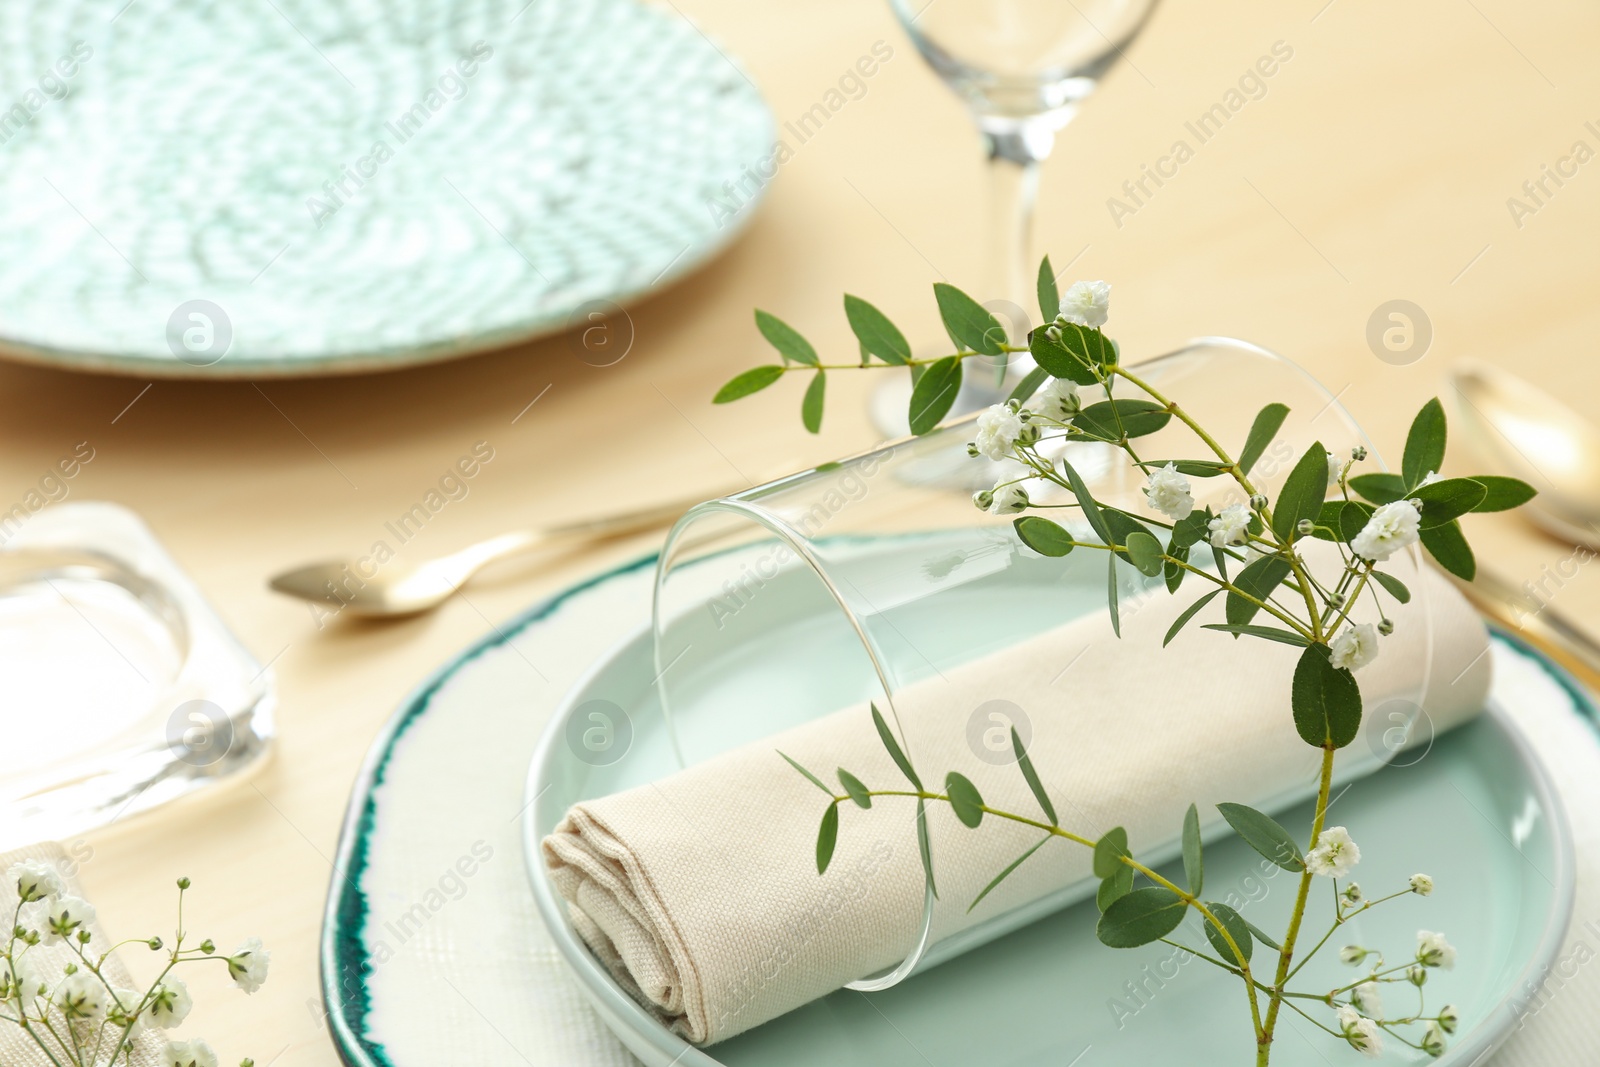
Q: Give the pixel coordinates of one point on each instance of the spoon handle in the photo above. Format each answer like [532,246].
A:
[1547,629]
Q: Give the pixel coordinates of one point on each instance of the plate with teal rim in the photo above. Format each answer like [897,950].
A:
[435,950]
[356,185]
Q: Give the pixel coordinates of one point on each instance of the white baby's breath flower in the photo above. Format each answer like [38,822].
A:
[1434,951]
[1369,999]
[1353,955]
[1421,885]
[998,430]
[1007,499]
[124,1011]
[1391,528]
[1086,303]
[169,1003]
[65,915]
[1334,853]
[248,965]
[1058,400]
[192,1053]
[1430,478]
[1168,492]
[24,978]
[1355,648]
[1433,1041]
[1230,527]
[1362,1033]
[34,880]
[80,995]
[1335,469]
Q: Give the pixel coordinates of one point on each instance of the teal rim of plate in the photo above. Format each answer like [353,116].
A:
[344,919]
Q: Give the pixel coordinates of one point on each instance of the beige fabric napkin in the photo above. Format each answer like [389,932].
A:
[17,1049]
[700,891]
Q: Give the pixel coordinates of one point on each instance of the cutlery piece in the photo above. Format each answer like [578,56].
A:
[1537,623]
[400,588]
[1524,432]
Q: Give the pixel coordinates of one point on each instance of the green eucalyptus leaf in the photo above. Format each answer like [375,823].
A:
[1114,888]
[1302,493]
[1088,346]
[964,799]
[786,339]
[1029,385]
[877,334]
[1263,937]
[1049,295]
[1503,494]
[827,837]
[1326,700]
[1190,531]
[1086,501]
[1237,929]
[813,779]
[1341,520]
[925,846]
[1143,916]
[1003,875]
[1270,633]
[1268,421]
[893,748]
[1392,585]
[1449,498]
[934,393]
[1258,579]
[1262,833]
[969,322]
[1194,864]
[751,381]
[1424,444]
[1379,488]
[811,404]
[1144,552]
[1112,605]
[1043,536]
[1109,852]
[1116,420]
[1175,572]
[854,789]
[1448,547]
[1188,613]
[1194,468]
[1031,776]
[1054,358]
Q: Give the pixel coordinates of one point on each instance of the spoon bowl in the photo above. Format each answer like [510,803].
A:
[1523,432]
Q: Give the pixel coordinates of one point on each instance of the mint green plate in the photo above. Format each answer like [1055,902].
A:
[355,185]
[483,981]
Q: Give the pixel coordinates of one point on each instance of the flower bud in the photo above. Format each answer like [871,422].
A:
[155,944]
[972,449]
[1449,1018]
[183,883]
[208,946]
[1258,501]
[1385,627]
[983,500]
[1416,975]
[1304,527]
[1358,453]
[1352,893]
[1029,435]
[1433,1042]
[1353,955]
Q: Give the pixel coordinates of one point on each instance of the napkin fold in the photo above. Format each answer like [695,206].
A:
[700,891]
[17,1049]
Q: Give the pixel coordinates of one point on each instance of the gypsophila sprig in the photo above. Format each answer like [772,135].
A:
[80,1018]
[1369,515]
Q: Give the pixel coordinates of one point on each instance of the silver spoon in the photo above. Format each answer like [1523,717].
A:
[1524,432]
[405,589]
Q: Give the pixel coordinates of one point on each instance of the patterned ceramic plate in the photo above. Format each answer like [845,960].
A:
[323,186]
[434,953]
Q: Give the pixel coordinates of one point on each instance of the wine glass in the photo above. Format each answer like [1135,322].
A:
[1022,67]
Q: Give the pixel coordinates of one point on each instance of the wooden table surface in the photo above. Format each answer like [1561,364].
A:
[1375,164]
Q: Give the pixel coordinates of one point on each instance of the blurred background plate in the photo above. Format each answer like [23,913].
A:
[354,185]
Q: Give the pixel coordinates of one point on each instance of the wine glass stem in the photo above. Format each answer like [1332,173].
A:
[1015,151]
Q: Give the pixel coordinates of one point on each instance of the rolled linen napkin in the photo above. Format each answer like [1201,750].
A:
[700,891]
